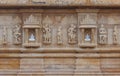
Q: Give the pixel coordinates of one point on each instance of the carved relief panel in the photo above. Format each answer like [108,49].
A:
[59,29]
[10,25]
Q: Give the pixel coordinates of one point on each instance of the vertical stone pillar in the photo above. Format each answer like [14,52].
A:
[26,35]
[82,35]
[37,35]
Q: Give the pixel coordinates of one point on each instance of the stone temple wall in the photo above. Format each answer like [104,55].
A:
[59,41]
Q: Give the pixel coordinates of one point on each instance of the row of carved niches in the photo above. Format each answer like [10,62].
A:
[54,30]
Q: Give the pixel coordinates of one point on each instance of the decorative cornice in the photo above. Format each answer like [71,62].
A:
[60,3]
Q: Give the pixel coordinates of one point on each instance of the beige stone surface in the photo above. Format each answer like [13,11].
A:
[114,3]
[51,58]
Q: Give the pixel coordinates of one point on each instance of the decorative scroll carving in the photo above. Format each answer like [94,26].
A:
[4,35]
[72,34]
[115,35]
[59,35]
[17,34]
[102,35]
[47,34]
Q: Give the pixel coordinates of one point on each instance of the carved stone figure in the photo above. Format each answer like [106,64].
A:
[87,38]
[46,34]
[115,35]
[17,34]
[4,35]
[72,34]
[102,35]
[59,35]
[32,37]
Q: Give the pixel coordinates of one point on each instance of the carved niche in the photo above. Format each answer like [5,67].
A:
[88,34]
[102,35]
[31,32]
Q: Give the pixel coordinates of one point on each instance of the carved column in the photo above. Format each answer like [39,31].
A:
[82,35]
[93,37]
[37,35]
[26,35]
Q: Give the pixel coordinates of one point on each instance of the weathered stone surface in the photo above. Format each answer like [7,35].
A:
[53,37]
[60,2]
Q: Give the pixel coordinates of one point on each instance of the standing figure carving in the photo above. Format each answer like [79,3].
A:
[72,34]
[17,34]
[115,35]
[59,35]
[102,35]
[47,34]
[4,35]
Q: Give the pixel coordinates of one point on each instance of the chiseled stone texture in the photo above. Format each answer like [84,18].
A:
[59,60]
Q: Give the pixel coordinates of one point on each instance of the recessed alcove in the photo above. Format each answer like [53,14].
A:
[31,36]
[88,34]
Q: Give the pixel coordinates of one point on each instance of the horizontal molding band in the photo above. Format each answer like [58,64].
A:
[60,50]
[61,3]
[60,55]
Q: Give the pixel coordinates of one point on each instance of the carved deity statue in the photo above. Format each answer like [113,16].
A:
[102,35]
[87,38]
[115,35]
[32,37]
[4,35]
[17,34]
[59,35]
[72,34]
[47,34]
